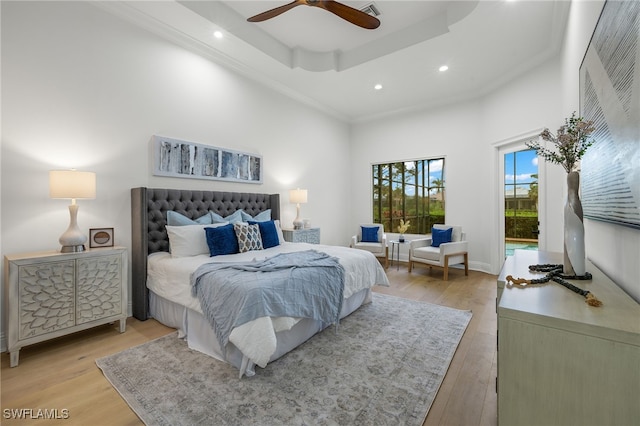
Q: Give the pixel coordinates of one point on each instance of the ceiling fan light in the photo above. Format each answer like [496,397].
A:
[378,86]
[443,68]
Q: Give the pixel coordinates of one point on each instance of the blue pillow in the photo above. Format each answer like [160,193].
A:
[370,234]
[268,233]
[222,240]
[260,217]
[216,218]
[232,218]
[177,219]
[439,236]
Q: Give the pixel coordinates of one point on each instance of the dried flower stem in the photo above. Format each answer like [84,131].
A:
[571,142]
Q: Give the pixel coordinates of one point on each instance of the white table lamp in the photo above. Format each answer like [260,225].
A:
[298,196]
[72,184]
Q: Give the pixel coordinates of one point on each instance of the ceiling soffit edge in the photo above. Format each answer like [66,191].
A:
[337,60]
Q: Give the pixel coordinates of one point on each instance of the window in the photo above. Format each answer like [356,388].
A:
[409,190]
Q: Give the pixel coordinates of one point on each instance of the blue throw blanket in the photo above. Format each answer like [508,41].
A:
[306,284]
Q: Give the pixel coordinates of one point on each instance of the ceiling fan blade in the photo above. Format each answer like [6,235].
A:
[275,12]
[355,16]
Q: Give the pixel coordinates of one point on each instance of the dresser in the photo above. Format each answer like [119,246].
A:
[561,361]
[51,294]
[307,235]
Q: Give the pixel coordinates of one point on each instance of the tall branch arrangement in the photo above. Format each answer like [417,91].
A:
[571,142]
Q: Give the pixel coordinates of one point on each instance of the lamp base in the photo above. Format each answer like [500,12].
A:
[298,223]
[73,239]
[73,249]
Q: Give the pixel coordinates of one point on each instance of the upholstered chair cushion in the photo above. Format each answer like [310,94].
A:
[427,253]
[375,248]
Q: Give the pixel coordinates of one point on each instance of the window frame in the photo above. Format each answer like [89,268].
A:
[391,180]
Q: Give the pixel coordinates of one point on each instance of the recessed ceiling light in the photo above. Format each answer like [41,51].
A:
[378,86]
[217,34]
[443,68]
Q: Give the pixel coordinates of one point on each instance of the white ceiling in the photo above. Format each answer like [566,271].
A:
[323,60]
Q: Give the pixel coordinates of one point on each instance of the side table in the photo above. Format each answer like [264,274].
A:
[395,247]
[306,235]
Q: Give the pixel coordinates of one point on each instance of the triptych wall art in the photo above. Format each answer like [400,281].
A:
[183,159]
[610,97]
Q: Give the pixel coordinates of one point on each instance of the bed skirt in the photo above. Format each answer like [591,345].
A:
[195,328]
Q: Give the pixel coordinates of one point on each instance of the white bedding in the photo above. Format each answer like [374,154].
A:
[169,278]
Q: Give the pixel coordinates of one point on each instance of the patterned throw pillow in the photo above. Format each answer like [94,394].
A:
[248,237]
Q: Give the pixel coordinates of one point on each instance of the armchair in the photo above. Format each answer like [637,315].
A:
[447,253]
[375,241]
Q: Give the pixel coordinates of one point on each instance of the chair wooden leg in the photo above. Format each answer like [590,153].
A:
[410,265]
[446,268]
[386,257]
[466,264]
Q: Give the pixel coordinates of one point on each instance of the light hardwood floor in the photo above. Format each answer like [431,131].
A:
[62,374]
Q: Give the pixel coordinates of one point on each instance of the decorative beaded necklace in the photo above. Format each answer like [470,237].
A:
[554,273]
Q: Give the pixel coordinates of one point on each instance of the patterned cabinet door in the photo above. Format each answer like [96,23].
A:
[46,298]
[99,287]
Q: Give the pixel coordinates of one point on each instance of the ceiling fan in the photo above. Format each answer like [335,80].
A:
[355,16]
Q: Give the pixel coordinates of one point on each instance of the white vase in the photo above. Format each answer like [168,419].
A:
[574,256]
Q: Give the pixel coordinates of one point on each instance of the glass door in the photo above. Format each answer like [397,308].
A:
[521,222]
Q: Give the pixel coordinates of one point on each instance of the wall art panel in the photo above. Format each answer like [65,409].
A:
[610,97]
[176,158]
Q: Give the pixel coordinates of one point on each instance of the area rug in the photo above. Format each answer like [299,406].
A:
[383,365]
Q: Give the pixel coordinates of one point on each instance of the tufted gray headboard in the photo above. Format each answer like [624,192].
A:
[149,208]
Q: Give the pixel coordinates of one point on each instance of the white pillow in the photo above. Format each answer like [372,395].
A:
[279,231]
[189,240]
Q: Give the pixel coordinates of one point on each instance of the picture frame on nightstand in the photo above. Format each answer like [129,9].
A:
[100,237]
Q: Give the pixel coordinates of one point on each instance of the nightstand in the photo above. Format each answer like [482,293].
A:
[51,294]
[308,235]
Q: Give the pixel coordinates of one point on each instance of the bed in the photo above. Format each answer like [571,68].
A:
[161,287]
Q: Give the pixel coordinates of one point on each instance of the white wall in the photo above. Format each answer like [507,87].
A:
[449,132]
[84,89]
[614,249]
[464,133]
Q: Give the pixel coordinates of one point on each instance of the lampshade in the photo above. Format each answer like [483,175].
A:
[72,184]
[298,196]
